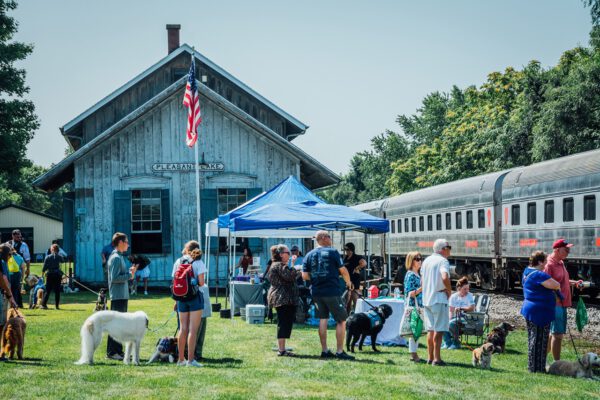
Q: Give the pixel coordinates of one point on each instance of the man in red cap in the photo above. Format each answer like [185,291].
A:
[557,270]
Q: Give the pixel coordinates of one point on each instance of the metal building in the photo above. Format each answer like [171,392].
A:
[132,172]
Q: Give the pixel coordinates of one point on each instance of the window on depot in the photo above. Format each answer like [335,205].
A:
[549,211]
[589,208]
[568,210]
[438,222]
[516,214]
[531,213]
[481,218]
[146,222]
[421,224]
[458,220]
[448,221]
[414,224]
[227,200]
[430,222]
[470,219]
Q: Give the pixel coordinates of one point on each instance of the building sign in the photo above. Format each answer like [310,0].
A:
[187,167]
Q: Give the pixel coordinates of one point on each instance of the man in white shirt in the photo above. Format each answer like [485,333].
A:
[435,279]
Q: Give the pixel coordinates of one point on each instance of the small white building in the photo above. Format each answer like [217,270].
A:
[38,229]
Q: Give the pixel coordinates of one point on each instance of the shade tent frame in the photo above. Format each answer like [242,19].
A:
[279,216]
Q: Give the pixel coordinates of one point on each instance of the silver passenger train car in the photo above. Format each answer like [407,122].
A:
[495,221]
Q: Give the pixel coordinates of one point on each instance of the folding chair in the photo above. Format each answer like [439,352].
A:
[477,323]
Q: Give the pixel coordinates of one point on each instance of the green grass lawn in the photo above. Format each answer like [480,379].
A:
[240,364]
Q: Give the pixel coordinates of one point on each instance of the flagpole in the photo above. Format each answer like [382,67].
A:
[198,194]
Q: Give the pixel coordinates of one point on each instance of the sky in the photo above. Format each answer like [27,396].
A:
[345,68]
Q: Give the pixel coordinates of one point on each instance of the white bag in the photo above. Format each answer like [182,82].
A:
[405,322]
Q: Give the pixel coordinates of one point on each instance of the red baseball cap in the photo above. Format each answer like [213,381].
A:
[561,243]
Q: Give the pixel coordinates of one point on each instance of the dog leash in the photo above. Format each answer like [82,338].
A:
[365,300]
[571,336]
[164,324]
[82,285]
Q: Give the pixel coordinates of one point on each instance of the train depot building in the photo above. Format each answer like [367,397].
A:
[132,171]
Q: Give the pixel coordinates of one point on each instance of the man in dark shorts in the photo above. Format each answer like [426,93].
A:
[322,267]
[354,264]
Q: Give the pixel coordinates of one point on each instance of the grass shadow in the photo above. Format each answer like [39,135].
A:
[30,362]
[356,360]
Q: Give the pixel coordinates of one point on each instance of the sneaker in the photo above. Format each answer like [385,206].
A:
[194,363]
[444,346]
[327,354]
[115,356]
[181,363]
[344,356]
[453,347]
[439,363]
[145,293]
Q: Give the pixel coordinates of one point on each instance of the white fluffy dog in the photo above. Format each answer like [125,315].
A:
[126,328]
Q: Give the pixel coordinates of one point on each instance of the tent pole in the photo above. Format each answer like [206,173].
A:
[217,264]
[389,255]
[368,255]
[232,260]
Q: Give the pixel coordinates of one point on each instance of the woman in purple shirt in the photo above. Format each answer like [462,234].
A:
[538,309]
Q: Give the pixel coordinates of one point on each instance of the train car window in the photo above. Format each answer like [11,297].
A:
[469,219]
[430,222]
[458,220]
[516,214]
[438,222]
[448,221]
[393,226]
[481,218]
[421,224]
[568,212]
[531,213]
[589,207]
[406,225]
[414,224]
[399,223]
[549,211]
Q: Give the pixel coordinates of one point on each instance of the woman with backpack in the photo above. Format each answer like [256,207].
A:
[190,309]
[53,276]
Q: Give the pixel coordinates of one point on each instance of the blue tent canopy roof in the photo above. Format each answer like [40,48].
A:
[308,215]
[290,190]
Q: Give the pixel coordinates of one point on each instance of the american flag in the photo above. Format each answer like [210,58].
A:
[192,102]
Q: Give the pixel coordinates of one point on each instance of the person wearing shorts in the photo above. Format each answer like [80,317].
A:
[435,280]
[190,312]
[555,267]
[322,266]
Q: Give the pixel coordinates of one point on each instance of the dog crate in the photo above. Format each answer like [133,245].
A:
[255,313]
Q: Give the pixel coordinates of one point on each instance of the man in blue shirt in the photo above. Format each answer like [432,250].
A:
[322,267]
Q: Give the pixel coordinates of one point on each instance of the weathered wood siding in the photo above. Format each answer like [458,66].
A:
[161,79]
[124,162]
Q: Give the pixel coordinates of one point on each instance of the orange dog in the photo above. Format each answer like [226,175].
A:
[13,334]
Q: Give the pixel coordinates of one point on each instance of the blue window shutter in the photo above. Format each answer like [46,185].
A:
[69,223]
[208,211]
[122,212]
[165,207]
[255,244]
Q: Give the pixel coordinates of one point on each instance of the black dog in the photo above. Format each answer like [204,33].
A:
[361,325]
[101,302]
[498,336]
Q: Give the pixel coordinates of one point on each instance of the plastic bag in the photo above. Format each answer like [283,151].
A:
[416,323]
[581,317]
[405,329]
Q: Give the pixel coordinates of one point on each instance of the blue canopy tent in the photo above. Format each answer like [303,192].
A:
[308,215]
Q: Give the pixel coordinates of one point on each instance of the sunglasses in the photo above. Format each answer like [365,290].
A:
[285,252]
[448,247]
[418,259]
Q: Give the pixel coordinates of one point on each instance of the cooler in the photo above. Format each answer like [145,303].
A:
[255,313]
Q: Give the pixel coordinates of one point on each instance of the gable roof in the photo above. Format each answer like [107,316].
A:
[316,175]
[41,214]
[184,48]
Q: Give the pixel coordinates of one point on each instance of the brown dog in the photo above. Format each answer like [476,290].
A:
[498,336]
[13,335]
[482,356]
